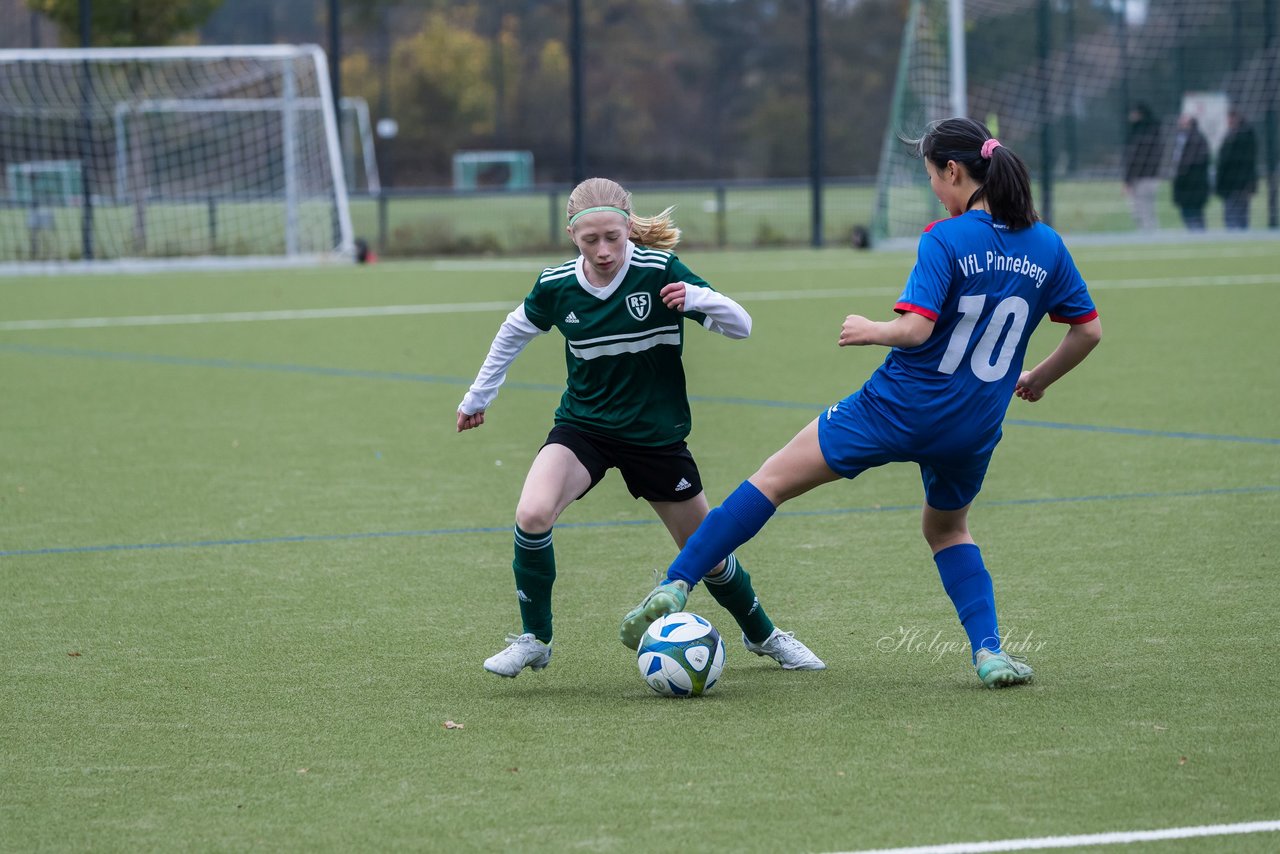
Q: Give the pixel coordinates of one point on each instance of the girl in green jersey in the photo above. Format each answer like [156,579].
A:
[620,306]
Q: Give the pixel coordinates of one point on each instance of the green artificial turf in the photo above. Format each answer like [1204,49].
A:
[248,571]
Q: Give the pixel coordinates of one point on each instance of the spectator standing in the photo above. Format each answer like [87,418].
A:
[1190,173]
[1142,165]
[1237,171]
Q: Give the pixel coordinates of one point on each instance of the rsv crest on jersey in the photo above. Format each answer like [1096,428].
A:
[638,306]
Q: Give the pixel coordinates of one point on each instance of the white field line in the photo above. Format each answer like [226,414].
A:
[1117,838]
[836,260]
[475,307]
[247,316]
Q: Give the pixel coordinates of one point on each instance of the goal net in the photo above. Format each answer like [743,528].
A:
[195,156]
[1055,79]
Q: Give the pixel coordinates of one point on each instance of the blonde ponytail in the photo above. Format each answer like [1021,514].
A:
[655,232]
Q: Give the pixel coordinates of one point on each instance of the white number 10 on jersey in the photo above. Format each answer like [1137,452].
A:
[1011,312]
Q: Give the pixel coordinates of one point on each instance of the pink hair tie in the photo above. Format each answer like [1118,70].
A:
[988,147]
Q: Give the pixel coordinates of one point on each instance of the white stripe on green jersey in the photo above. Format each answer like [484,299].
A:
[623,347]
[565,269]
[615,344]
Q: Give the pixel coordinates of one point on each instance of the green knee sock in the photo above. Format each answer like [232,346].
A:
[732,588]
[535,569]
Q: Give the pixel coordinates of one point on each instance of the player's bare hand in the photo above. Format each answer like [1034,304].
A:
[858,330]
[1027,389]
[467,422]
[673,296]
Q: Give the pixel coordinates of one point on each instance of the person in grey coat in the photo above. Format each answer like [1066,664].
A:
[1142,155]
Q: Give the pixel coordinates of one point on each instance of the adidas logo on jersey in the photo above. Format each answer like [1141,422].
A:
[683,485]
[571,318]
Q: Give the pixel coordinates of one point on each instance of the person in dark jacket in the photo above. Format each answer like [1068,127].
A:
[1142,165]
[1190,173]
[1237,171]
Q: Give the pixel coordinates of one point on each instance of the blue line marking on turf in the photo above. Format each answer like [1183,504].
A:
[271,367]
[405,376]
[631,523]
[1135,431]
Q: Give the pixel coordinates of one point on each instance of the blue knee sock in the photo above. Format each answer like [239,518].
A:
[737,520]
[967,582]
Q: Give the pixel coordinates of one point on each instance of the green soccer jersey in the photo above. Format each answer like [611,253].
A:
[622,347]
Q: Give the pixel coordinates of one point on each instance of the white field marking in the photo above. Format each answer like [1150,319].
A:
[818,293]
[247,316]
[1169,253]
[1117,838]
[1185,281]
[484,265]
[366,311]
[474,307]
[838,259]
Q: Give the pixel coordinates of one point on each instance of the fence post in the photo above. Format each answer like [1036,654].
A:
[722,215]
[1272,143]
[85,143]
[816,124]
[382,221]
[552,217]
[1046,116]
[213,224]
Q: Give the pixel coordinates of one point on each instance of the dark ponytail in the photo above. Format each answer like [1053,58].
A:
[1004,182]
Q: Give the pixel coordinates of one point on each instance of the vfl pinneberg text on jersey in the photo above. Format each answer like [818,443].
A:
[972,264]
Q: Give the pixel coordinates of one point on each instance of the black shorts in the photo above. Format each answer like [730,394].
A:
[663,473]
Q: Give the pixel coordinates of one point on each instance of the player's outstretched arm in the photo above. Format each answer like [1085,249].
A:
[1071,351]
[906,330]
[514,333]
[724,316]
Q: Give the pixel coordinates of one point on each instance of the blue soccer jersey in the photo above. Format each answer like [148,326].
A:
[986,288]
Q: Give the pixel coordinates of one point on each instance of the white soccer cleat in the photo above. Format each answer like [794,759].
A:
[783,648]
[524,651]
[1002,670]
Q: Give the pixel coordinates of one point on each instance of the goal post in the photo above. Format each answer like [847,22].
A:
[183,156]
[1055,81]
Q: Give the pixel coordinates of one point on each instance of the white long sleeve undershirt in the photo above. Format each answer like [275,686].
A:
[514,335]
[724,316]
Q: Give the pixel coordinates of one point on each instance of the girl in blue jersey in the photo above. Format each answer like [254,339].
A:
[621,306]
[982,282]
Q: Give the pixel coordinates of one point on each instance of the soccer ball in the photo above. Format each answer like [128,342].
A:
[681,655]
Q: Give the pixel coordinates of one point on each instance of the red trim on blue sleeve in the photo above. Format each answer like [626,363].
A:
[1074,321]
[904,307]
[928,228]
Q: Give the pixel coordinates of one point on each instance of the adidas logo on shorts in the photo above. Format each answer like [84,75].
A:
[683,485]
[571,318]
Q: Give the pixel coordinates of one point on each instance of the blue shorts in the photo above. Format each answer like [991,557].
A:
[855,437]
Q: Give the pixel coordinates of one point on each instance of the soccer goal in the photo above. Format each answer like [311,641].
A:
[1056,79]
[192,156]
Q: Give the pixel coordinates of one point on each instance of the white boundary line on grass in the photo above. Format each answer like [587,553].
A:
[1123,837]
[247,316]
[475,307]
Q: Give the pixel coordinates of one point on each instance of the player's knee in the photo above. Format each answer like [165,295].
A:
[940,532]
[535,519]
